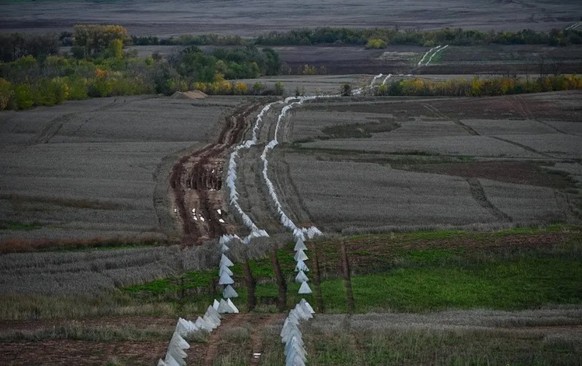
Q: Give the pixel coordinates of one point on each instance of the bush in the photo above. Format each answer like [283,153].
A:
[6,94]
[23,97]
[376,43]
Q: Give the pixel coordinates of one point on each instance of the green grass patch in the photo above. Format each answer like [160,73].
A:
[503,284]
[418,272]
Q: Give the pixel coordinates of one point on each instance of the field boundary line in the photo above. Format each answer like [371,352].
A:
[479,195]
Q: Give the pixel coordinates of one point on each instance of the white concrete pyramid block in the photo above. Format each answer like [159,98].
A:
[290,332]
[300,245]
[304,289]
[301,277]
[300,256]
[212,323]
[224,248]
[201,324]
[177,354]
[179,342]
[171,361]
[293,318]
[295,346]
[232,306]
[307,306]
[184,327]
[211,310]
[313,232]
[301,266]
[224,269]
[298,234]
[295,359]
[181,329]
[229,292]
[224,308]
[215,304]
[302,315]
[191,327]
[161,363]
[224,261]
[225,279]
[303,311]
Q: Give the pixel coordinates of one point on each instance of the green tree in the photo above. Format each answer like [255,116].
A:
[91,40]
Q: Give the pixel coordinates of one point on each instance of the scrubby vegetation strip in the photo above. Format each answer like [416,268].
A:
[381,37]
[479,87]
[378,37]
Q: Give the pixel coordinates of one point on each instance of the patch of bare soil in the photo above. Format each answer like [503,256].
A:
[82,353]
[518,172]
[263,321]
[218,341]
[32,342]
[196,182]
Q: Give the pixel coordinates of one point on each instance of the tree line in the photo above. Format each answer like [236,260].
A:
[375,38]
[99,66]
[478,87]
[381,37]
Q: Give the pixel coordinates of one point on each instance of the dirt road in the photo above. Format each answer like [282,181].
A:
[196,182]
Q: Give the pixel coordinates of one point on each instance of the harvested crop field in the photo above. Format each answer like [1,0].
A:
[252,17]
[97,170]
[379,164]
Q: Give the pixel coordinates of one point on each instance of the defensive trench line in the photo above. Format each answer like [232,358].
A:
[291,336]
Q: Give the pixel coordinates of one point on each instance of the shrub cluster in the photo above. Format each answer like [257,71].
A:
[479,87]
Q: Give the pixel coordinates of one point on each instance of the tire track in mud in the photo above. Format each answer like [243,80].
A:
[196,182]
[52,128]
[480,197]
[258,330]
[214,341]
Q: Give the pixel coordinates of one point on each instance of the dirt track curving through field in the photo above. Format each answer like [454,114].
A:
[196,182]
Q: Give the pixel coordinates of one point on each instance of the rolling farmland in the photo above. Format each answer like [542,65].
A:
[329,225]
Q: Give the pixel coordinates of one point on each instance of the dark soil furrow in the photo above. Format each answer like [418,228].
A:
[196,181]
[479,195]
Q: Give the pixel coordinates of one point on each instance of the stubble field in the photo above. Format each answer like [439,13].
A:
[98,169]
[257,16]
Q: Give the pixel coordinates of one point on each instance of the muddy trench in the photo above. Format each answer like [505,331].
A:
[196,182]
